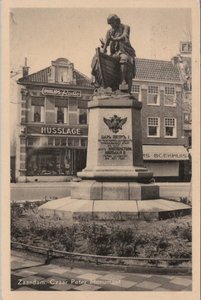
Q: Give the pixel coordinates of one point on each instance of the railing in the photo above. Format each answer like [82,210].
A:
[97,259]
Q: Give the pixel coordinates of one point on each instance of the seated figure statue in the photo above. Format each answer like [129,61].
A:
[117,38]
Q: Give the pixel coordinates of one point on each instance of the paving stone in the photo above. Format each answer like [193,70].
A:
[112,277]
[87,287]
[135,277]
[172,287]
[69,275]
[25,273]
[148,285]
[89,276]
[59,270]
[25,288]
[79,271]
[160,279]
[181,281]
[16,265]
[125,283]
[145,275]
[109,287]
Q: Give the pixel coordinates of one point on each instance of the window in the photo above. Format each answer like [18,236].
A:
[84,142]
[60,115]
[170,127]
[186,47]
[135,89]
[153,98]
[153,127]
[71,142]
[33,141]
[37,113]
[49,162]
[170,99]
[64,74]
[61,110]
[37,109]
[82,116]
[187,118]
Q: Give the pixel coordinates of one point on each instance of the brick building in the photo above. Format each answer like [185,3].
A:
[158,84]
[53,131]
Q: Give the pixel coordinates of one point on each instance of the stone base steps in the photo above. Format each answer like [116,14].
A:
[69,208]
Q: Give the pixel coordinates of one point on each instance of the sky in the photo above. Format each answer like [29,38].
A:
[45,34]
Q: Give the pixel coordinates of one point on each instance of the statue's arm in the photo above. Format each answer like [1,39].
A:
[124,35]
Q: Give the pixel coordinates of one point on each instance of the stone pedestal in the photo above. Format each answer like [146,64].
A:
[114,156]
[115,140]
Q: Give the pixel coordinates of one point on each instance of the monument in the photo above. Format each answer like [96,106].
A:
[114,156]
[114,180]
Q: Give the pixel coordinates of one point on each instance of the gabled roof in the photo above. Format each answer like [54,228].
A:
[42,77]
[156,70]
[146,69]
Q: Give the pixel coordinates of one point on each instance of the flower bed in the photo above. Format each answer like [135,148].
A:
[141,239]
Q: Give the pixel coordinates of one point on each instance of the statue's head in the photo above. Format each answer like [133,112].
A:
[113,20]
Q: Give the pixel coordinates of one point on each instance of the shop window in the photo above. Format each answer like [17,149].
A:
[57,141]
[153,127]
[33,141]
[82,116]
[76,142]
[153,97]
[84,142]
[170,128]
[44,141]
[49,162]
[63,141]
[50,141]
[70,142]
[170,96]
[135,89]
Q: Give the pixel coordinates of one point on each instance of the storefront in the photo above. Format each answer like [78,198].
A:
[168,163]
[55,151]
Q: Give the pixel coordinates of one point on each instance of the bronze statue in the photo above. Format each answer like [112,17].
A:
[117,69]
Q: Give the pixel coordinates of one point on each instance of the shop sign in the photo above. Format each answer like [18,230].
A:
[53,130]
[61,92]
[165,156]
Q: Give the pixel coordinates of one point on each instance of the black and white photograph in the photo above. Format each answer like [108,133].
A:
[102,185]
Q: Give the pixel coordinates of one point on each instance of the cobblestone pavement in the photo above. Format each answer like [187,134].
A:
[28,275]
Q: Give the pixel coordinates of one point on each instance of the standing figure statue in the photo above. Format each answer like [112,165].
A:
[117,38]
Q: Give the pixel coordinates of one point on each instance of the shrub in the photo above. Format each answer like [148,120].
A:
[98,238]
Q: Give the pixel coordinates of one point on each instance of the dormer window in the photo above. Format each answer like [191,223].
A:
[64,74]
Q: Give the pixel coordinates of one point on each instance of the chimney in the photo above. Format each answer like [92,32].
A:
[25,68]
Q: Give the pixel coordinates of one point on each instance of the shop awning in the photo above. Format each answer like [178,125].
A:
[158,152]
